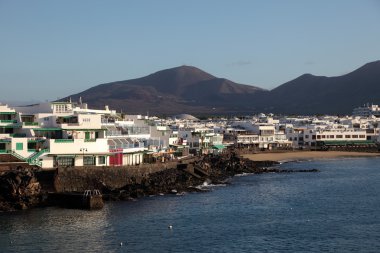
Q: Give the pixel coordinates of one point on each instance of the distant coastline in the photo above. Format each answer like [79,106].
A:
[305,155]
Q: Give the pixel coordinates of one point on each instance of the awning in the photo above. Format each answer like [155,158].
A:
[218,147]
[48,129]
[34,141]
[65,156]
[10,126]
[8,113]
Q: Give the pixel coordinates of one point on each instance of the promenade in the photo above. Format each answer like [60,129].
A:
[305,155]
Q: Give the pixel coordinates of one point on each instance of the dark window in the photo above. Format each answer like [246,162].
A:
[101,160]
[88,160]
[65,161]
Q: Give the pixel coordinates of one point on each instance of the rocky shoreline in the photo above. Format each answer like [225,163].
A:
[24,188]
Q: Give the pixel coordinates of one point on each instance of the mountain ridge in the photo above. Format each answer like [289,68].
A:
[187,89]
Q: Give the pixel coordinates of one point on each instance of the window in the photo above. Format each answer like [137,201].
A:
[339,136]
[347,136]
[88,160]
[19,146]
[101,160]
[306,136]
[361,136]
[318,137]
[313,137]
[354,136]
[331,136]
[65,161]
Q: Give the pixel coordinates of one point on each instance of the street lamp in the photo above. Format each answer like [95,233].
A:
[83,150]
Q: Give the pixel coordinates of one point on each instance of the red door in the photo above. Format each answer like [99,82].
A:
[116,159]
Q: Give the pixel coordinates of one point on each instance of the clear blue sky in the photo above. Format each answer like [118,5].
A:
[52,48]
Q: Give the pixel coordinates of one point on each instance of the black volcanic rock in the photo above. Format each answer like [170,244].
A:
[19,189]
[187,89]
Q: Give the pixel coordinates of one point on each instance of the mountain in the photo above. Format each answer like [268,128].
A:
[187,89]
[173,91]
[309,94]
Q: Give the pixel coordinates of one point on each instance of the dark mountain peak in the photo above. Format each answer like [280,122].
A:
[173,80]
[307,75]
[182,74]
[305,81]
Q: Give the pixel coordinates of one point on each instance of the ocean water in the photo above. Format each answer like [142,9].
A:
[335,210]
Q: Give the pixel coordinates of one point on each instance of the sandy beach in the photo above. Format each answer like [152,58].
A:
[305,155]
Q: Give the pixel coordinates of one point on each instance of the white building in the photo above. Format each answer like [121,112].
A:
[64,134]
[367,111]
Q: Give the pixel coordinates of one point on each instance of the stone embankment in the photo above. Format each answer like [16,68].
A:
[21,189]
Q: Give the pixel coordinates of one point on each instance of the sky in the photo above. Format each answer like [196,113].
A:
[51,49]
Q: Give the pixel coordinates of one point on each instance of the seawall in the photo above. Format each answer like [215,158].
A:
[23,189]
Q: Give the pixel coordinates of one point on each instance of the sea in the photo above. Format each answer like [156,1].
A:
[334,210]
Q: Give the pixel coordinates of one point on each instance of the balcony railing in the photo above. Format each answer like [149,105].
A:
[30,123]
[90,140]
[63,140]
[18,135]
[8,121]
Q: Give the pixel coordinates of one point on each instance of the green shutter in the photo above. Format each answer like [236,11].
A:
[19,146]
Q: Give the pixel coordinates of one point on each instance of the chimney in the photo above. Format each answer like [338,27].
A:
[106,108]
